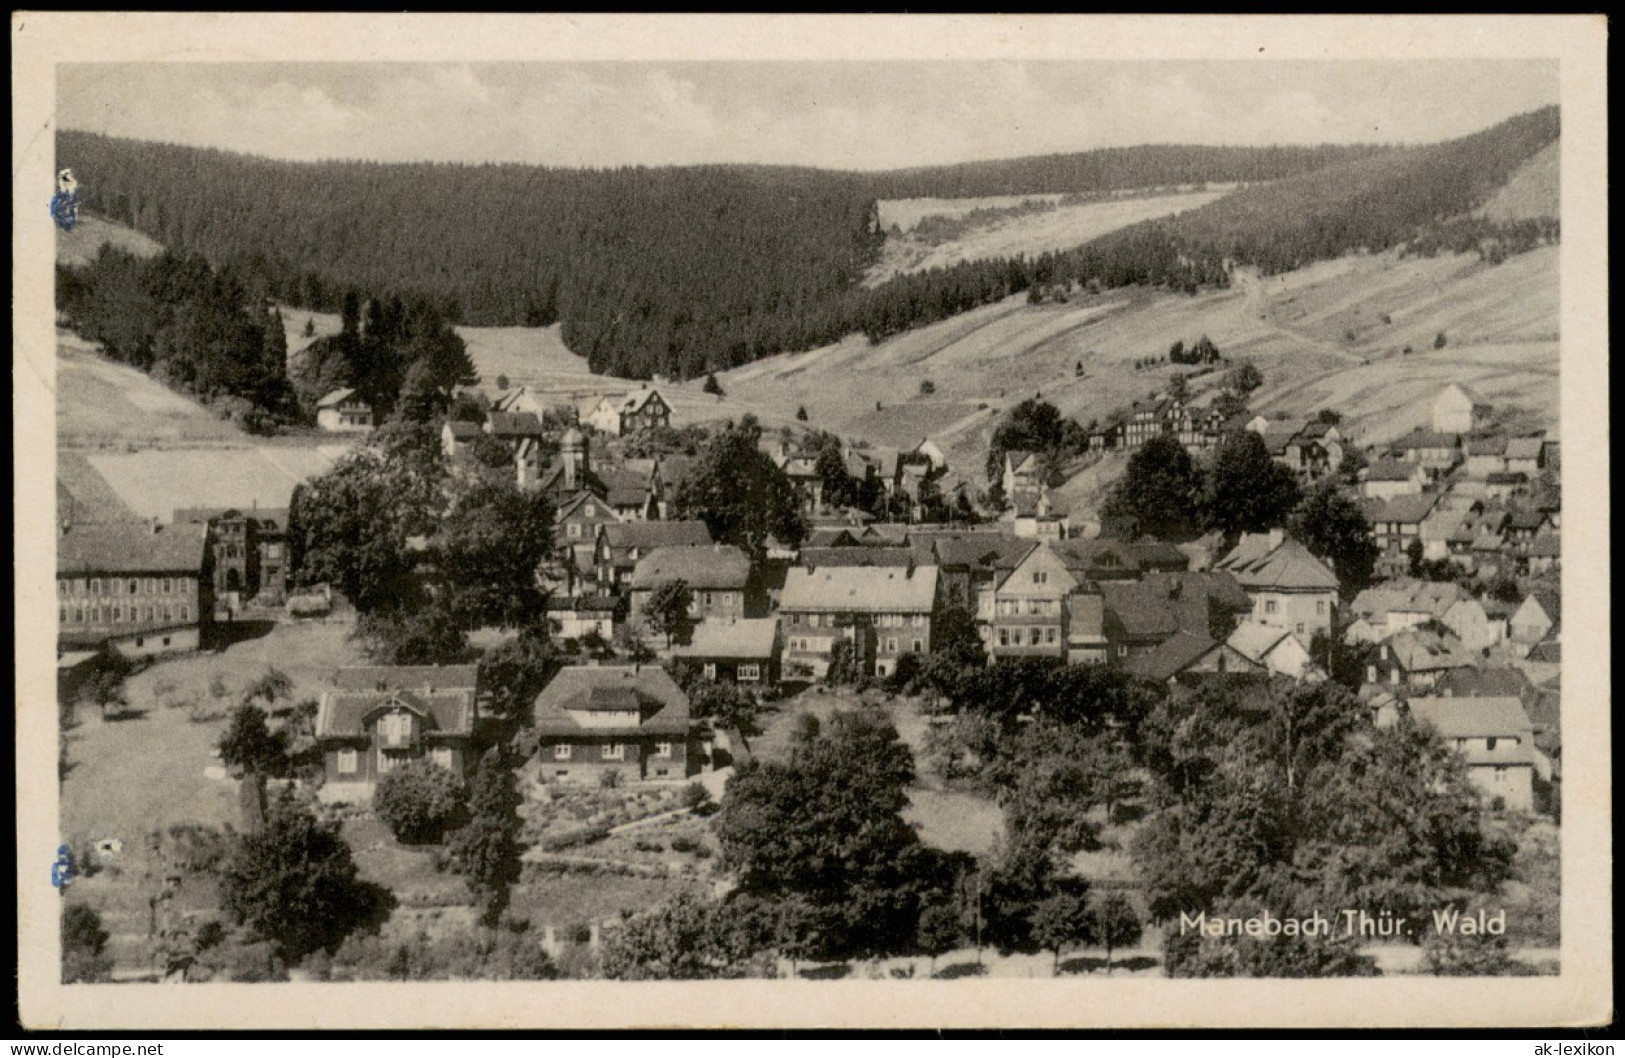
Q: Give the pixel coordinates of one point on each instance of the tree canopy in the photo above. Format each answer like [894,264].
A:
[1161,490]
[740,495]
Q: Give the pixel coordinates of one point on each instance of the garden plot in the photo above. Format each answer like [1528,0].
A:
[153,483]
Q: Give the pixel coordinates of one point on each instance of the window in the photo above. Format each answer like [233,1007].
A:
[96,586]
[166,641]
[78,615]
[1489,743]
[1033,637]
[591,511]
[62,587]
[710,670]
[812,619]
[62,616]
[573,530]
[347,762]
[1049,636]
[749,673]
[169,585]
[614,751]
[795,618]
[1040,577]
[441,755]
[1004,637]
[1269,606]
[1320,607]
[918,621]
[140,641]
[891,646]
[186,613]
[708,599]
[561,752]
[663,749]
[118,613]
[1300,628]
[385,762]
[135,586]
[273,550]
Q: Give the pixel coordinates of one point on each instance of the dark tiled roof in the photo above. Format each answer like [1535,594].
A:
[509,424]
[661,704]
[445,711]
[819,557]
[463,430]
[1471,682]
[707,567]
[130,547]
[406,677]
[649,535]
[1170,657]
[731,639]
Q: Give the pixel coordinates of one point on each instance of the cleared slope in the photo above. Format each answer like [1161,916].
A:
[1531,192]
[81,245]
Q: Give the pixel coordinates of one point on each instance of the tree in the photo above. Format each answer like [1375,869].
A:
[1032,426]
[1243,379]
[84,942]
[1060,920]
[249,747]
[418,800]
[941,929]
[488,548]
[486,851]
[310,327]
[1179,388]
[1413,556]
[927,387]
[731,707]
[837,487]
[514,673]
[826,825]
[1333,527]
[502,383]
[684,939]
[740,495]
[294,884]
[667,610]
[801,413]
[1440,341]
[272,686]
[1113,923]
[429,636]
[1248,492]
[1160,490]
[490,452]
[712,386]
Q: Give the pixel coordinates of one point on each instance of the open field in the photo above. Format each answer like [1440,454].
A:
[100,402]
[906,213]
[1532,191]
[1061,228]
[81,245]
[153,482]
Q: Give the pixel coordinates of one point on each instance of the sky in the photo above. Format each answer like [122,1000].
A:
[859,114]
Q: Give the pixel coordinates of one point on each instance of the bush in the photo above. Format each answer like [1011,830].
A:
[927,387]
[83,944]
[418,801]
[683,843]
[198,849]
[696,798]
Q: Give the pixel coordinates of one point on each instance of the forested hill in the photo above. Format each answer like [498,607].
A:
[1113,169]
[683,270]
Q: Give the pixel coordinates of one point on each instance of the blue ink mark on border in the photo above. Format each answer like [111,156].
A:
[62,868]
[65,209]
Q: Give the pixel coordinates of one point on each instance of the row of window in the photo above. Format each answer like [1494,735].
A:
[1271,606]
[612,751]
[116,613]
[122,585]
[891,646]
[885,620]
[742,673]
[349,760]
[1034,608]
[1036,637]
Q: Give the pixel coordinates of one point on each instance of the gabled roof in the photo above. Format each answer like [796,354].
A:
[1019,460]
[510,424]
[623,488]
[860,590]
[462,429]
[1546,545]
[273,519]
[1170,657]
[406,677]
[706,567]
[1506,477]
[1487,446]
[830,536]
[1277,436]
[661,704]
[1406,510]
[1391,470]
[1498,717]
[1550,601]
[1255,641]
[1164,603]
[731,639]
[820,557]
[1524,447]
[986,551]
[1474,682]
[130,547]
[1549,651]
[1527,520]
[337,397]
[1417,650]
[1418,439]
[1101,558]
[622,536]
[1152,554]
[1474,398]
[344,713]
[1259,564]
[636,400]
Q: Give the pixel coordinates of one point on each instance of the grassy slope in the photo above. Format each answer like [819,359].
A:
[1058,229]
[1532,191]
[82,244]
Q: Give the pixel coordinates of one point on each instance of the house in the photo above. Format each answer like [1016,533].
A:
[1472,624]
[1290,588]
[857,555]
[717,575]
[1385,611]
[631,494]
[1033,516]
[1493,735]
[1274,650]
[580,616]
[1396,522]
[1457,410]
[1387,478]
[1024,612]
[1418,659]
[511,427]
[624,416]
[1522,527]
[377,718]
[576,525]
[1540,611]
[928,451]
[1139,615]
[1486,456]
[882,614]
[249,550]
[456,436]
[1186,655]
[140,588]
[1158,556]
[1444,523]
[1101,559]
[1500,681]
[743,651]
[967,560]
[1021,472]
[343,411]
[519,399]
[1432,451]
[621,544]
[1504,485]
[629,720]
[1543,555]
[1086,642]
[1523,456]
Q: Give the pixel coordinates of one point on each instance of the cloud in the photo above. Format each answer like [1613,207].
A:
[864,115]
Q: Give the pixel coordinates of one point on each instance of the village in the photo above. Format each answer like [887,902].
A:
[646,612]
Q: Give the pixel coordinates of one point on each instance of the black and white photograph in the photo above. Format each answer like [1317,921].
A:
[915,521]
